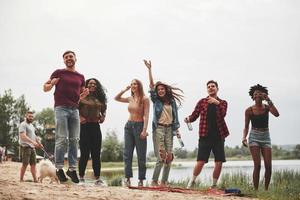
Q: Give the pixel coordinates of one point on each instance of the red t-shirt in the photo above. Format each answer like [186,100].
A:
[67,90]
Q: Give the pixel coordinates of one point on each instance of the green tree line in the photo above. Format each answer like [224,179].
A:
[242,153]
[13,110]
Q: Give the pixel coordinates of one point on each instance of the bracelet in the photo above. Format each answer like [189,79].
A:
[270,103]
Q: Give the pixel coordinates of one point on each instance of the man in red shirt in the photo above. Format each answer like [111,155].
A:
[212,131]
[69,88]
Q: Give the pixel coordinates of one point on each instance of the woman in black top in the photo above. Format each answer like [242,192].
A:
[259,137]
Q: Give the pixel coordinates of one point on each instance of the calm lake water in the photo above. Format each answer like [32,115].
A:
[185,169]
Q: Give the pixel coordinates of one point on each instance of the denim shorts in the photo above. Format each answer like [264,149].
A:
[260,138]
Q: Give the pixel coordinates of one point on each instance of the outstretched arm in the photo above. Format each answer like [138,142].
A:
[119,95]
[148,65]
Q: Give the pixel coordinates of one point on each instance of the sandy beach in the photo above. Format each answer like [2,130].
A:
[12,188]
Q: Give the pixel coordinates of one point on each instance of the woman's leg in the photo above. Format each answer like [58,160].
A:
[129,145]
[168,142]
[255,152]
[267,155]
[95,149]
[84,149]
[157,138]
[141,151]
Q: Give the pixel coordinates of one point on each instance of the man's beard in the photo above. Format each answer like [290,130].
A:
[70,64]
[29,121]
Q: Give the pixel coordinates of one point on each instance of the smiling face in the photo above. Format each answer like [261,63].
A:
[257,96]
[212,89]
[69,60]
[92,85]
[161,90]
[134,86]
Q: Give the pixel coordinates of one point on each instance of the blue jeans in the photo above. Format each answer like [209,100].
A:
[66,135]
[131,140]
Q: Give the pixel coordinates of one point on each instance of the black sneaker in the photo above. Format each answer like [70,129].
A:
[61,175]
[73,175]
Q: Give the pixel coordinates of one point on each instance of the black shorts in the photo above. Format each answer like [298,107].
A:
[206,145]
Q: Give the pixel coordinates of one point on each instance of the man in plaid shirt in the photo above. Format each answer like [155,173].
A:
[212,131]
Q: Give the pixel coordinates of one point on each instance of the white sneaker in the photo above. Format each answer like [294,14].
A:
[191,184]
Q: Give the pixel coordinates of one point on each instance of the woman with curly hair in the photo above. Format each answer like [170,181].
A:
[165,125]
[259,137]
[92,110]
[135,130]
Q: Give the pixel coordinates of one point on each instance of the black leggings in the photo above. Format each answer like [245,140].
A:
[90,143]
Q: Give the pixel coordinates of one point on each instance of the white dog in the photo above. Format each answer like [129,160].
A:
[46,168]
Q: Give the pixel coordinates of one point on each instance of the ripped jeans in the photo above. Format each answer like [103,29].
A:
[66,135]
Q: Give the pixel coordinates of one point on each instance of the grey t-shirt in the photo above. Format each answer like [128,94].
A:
[30,132]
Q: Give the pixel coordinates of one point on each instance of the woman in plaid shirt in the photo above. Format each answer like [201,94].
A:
[212,131]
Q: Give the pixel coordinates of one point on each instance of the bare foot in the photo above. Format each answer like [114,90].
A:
[154,184]
[164,184]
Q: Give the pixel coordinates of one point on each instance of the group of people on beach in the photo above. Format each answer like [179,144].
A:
[80,106]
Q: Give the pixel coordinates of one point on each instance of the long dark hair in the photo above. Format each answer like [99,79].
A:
[171,93]
[100,92]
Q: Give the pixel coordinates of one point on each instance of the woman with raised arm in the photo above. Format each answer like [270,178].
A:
[135,129]
[165,125]
[259,137]
[92,110]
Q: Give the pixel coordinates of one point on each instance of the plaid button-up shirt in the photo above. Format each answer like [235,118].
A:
[201,110]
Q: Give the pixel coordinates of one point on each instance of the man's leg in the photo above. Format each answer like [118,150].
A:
[25,162]
[219,154]
[22,172]
[61,134]
[33,165]
[33,172]
[217,172]
[204,149]
[74,129]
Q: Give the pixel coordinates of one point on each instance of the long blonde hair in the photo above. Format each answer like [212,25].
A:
[140,91]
